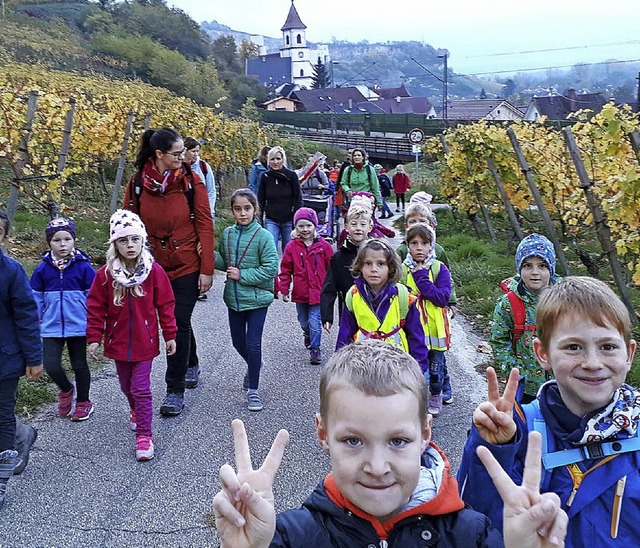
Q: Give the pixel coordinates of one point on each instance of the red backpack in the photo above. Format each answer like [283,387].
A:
[519,314]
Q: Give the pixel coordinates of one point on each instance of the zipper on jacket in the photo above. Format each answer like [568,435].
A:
[61,278]
[235,282]
[617,506]
[146,324]
[130,327]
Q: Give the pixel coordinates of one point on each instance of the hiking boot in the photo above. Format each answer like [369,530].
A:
[307,340]
[435,404]
[133,422]
[83,411]
[191,378]
[144,448]
[202,297]
[245,381]
[172,405]
[65,402]
[314,356]
[25,437]
[254,403]
[7,464]
[447,399]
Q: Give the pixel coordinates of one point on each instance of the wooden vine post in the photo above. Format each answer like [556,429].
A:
[122,162]
[546,219]
[54,205]
[147,121]
[517,229]
[600,220]
[635,142]
[18,168]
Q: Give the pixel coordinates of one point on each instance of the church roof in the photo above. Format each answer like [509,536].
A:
[293,20]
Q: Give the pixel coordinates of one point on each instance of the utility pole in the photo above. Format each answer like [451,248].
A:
[638,95]
[445,88]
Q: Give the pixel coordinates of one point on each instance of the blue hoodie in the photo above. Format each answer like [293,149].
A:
[61,295]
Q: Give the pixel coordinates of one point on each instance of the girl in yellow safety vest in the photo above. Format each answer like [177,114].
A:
[377,307]
[430,280]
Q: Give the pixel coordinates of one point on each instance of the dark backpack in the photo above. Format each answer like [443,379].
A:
[369,173]
[519,314]
[136,192]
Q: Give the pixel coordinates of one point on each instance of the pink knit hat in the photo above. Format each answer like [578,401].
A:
[307,214]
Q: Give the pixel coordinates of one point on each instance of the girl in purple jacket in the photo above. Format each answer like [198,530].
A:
[377,307]
[305,260]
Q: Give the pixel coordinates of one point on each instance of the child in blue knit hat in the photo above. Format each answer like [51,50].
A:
[514,317]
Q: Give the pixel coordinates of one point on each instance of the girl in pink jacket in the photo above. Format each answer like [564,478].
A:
[128,296]
[305,260]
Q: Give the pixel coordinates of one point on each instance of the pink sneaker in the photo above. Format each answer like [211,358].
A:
[83,411]
[133,423]
[65,402]
[144,448]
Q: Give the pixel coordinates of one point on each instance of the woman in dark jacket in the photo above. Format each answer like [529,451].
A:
[279,196]
[173,203]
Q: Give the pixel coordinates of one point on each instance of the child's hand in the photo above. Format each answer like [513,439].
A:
[171,347]
[327,326]
[286,298]
[92,350]
[233,273]
[494,418]
[244,508]
[531,519]
[33,373]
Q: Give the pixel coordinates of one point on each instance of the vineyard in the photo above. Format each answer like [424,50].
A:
[61,132]
[583,180]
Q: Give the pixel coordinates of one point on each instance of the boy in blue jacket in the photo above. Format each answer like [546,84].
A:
[20,354]
[60,285]
[389,485]
[588,418]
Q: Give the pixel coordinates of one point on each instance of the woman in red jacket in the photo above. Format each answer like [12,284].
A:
[128,296]
[174,206]
[401,184]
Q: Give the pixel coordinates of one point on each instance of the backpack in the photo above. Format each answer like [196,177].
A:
[204,168]
[369,171]
[555,459]
[136,192]
[405,300]
[519,314]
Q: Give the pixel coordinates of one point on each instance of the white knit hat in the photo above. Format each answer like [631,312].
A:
[125,223]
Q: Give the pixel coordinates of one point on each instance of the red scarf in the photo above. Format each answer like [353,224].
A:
[154,181]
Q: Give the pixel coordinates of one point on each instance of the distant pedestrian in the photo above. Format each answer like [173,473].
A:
[21,351]
[203,169]
[60,285]
[248,255]
[385,190]
[401,184]
[305,262]
[279,196]
[128,297]
[258,167]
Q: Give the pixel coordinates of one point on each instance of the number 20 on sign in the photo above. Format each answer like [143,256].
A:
[416,136]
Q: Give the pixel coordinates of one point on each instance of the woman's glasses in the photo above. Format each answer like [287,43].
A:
[178,154]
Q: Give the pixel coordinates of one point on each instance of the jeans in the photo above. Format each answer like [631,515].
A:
[279,231]
[246,334]
[8,393]
[135,382]
[437,367]
[185,290]
[385,207]
[52,360]
[310,321]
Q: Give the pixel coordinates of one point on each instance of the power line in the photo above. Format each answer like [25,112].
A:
[548,68]
[626,43]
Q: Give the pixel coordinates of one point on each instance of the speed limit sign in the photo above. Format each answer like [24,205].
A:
[416,136]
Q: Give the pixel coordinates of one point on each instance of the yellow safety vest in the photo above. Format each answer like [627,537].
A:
[434,319]
[391,329]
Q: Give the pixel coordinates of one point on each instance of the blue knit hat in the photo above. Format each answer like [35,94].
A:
[536,245]
[56,225]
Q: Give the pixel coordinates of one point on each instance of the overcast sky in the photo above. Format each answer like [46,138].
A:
[472,30]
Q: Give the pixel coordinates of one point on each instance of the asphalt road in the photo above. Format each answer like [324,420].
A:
[83,486]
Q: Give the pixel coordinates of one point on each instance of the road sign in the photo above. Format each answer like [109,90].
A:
[416,136]
[416,149]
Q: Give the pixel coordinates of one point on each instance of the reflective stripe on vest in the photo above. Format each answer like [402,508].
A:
[370,327]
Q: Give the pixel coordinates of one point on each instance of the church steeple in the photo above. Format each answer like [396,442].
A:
[293,21]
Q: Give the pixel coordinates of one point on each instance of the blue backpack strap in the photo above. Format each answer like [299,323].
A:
[535,422]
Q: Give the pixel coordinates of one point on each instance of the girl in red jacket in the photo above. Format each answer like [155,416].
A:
[401,183]
[126,299]
[306,259]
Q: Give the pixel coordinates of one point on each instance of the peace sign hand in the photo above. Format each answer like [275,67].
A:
[531,519]
[244,507]
[494,418]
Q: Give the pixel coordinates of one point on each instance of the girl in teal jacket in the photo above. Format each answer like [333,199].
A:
[247,253]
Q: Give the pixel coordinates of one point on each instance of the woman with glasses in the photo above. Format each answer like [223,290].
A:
[279,196]
[173,203]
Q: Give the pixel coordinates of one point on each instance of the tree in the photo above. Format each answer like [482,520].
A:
[483,94]
[247,50]
[320,77]
[509,88]
[225,53]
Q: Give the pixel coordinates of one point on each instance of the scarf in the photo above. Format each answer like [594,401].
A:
[412,265]
[131,279]
[61,264]
[157,182]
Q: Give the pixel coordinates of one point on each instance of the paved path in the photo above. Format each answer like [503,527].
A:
[83,486]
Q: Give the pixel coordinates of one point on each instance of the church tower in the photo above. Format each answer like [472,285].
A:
[294,45]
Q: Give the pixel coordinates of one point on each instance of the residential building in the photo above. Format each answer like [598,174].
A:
[559,107]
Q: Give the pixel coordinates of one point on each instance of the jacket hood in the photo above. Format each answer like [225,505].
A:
[252,226]
[78,255]
[438,476]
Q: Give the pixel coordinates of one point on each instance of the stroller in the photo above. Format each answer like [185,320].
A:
[321,201]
